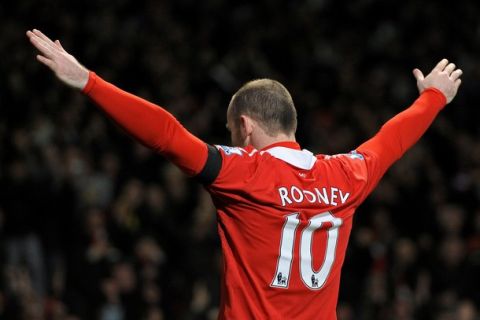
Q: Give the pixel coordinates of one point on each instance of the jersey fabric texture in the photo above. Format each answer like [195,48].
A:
[284,214]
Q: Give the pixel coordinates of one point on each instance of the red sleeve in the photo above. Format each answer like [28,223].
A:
[149,124]
[399,134]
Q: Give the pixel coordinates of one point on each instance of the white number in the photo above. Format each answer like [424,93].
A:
[284,265]
[311,278]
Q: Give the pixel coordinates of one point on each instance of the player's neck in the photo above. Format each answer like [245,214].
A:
[261,141]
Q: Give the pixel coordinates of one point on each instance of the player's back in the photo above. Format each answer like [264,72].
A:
[284,219]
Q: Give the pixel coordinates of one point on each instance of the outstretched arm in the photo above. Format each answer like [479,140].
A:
[148,123]
[401,132]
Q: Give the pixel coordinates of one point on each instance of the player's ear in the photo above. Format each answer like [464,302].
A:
[246,125]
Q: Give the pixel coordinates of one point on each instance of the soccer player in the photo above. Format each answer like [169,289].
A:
[284,214]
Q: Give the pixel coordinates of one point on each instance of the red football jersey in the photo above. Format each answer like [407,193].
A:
[284,215]
[284,219]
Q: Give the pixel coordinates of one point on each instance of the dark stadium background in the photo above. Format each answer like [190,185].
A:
[94,226]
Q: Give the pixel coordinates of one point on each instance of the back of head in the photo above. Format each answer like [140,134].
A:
[269,103]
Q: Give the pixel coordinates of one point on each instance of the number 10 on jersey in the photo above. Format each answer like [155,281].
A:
[314,280]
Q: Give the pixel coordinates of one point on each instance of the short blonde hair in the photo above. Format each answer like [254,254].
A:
[268,102]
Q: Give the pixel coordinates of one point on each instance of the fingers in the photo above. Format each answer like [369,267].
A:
[59,45]
[49,63]
[44,37]
[418,74]
[43,43]
[41,46]
[444,77]
[449,68]
[441,65]
[458,82]
[456,74]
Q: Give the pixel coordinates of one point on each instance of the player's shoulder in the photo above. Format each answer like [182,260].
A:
[352,155]
[340,162]
[352,164]
[238,158]
[236,165]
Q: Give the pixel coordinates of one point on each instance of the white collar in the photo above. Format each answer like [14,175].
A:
[302,159]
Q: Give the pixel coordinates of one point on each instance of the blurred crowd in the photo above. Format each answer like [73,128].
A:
[95,226]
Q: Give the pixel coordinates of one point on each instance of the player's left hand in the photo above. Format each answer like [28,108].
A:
[444,77]
[63,64]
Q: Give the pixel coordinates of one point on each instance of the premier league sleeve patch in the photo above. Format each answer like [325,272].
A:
[352,155]
[355,155]
[230,150]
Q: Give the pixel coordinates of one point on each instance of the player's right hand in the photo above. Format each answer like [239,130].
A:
[63,64]
[444,77]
